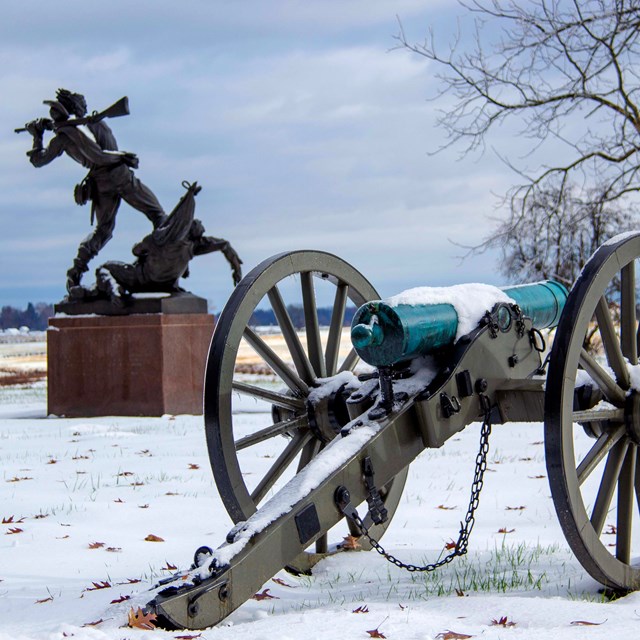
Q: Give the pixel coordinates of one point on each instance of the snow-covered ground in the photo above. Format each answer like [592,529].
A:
[78,498]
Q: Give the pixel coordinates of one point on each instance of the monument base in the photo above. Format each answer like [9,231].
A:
[134,365]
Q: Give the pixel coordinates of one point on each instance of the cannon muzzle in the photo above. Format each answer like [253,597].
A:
[407,326]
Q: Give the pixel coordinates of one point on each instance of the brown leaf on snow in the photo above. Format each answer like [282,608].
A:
[586,623]
[361,609]
[169,567]
[95,623]
[40,516]
[520,508]
[503,622]
[136,484]
[52,461]
[376,633]
[505,530]
[114,549]
[120,500]
[50,599]
[96,545]
[450,545]
[350,543]
[130,581]
[140,620]
[282,583]
[153,538]
[120,599]
[10,520]
[192,465]
[125,474]
[538,477]
[13,530]
[611,530]
[99,585]
[441,506]
[16,479]
[264,595]
[452,635]
[143,506]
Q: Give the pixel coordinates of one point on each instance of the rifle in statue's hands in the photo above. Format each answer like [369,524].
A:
[117,109]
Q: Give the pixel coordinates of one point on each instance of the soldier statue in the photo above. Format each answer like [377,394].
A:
[89,141]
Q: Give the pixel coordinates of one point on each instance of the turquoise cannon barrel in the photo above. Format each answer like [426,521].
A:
[385,333]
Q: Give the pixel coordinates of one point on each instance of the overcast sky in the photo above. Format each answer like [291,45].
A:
[303,125]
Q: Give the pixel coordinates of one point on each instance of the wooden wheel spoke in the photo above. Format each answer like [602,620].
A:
[335,329]
[310,451]
[289,377]
[625,506]
[614,393]
[595,455]
[608,485]
[350,361]
[628,322]
[314,342]
[281,464]
[598,415]
[611,343]
[298,354]
[273,397]
[271,432]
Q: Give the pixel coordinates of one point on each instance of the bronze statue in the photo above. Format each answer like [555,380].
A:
[163,256]
[110,179]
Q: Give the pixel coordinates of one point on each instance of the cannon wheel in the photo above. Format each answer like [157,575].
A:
[592,449]
[286,441]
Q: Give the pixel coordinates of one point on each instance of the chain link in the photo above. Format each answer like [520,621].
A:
[465,527]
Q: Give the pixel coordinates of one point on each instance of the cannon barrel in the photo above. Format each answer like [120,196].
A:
[405,327]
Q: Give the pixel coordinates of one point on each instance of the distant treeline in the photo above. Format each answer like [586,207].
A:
[35,316]
[266,317]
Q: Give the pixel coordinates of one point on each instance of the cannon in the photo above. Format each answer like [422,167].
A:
[340,438]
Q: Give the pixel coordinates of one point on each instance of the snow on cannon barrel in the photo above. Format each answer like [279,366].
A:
[420,321]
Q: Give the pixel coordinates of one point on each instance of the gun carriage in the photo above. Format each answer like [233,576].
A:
[347,440]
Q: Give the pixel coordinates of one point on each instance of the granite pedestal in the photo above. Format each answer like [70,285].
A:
[135,365]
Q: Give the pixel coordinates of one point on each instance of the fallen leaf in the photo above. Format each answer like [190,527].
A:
[450,545]
[503,622]
[13,530]
[350,543]
[171,493]
[124,474]
[169,567]
[611,531]
[119,500]
[144,452]
[375,633]
[153,538]
[441,506]
[10,520]
[40,516]
[96,545]
[140,620]
[452,635]
[16,479]
[460,593]
[80,458]
[538,442]
[136,484]
[282,583]
[130,581]
[539,477]
[193,466]
[402,607]
[93,624]
[52,461]
[50,598]
[62,537]
[520,508]
[361,609]
[120,599]
[143,506]
[114,549]
[505,530]
[526,459]
[265,595]
[188,637]
[99,585]
[586,623]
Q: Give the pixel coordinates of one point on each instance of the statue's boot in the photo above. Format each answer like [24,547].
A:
[80,266]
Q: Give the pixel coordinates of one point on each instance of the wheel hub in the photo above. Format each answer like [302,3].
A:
[327,413]
[632,417]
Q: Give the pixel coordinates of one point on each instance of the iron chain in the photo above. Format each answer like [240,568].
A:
[465,527]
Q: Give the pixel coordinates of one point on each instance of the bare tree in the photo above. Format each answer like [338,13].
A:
[560,232]
[567,72]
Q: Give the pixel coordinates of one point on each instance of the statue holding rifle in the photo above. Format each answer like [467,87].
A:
[89,141]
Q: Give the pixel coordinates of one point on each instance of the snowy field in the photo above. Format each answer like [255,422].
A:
[79,498]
